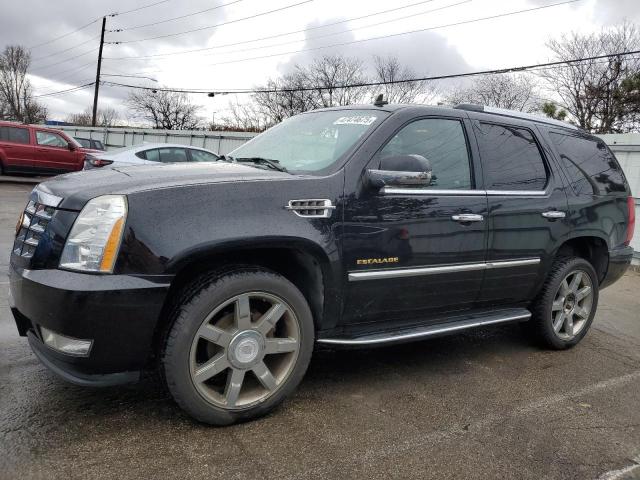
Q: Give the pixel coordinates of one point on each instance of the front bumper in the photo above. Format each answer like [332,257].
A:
[118,312]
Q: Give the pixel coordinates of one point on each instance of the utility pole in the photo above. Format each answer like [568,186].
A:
[97,86]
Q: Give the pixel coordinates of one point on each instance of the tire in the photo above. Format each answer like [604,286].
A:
[223,365]
[558,301]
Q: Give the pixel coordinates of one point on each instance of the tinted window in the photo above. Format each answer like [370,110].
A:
[50,139]
[84,142]
[14,135]
[170,155]
[97,144]
[591,166]
[443,143]
[511,159]
[201,156]
[143,155]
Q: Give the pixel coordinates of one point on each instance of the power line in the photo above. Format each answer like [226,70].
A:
[65,35]
[69,73]
[213,26]
[492,17]
[91,23]
[54,90]
[135,57]
[115,14]
[66,59]
[521,68]
[66,49]
[68,90]
[174,18]
[333,34]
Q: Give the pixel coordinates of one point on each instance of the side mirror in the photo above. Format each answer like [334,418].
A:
[71,146]
[413,171]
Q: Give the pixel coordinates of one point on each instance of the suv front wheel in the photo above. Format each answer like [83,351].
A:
[239,344]
[566,305]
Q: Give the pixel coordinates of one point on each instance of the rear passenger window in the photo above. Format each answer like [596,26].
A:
[511,159]
[442,142]
[171,155]
[592,168]
[151,155]
[14,135]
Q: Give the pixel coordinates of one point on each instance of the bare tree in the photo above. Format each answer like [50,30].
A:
[286,96]
[16,95]
[629,97]
[245,117]
[514,92]
[389,69]
[107,117]
[318,85]
[589,90]
[330,73]
[82,119]
[165,110]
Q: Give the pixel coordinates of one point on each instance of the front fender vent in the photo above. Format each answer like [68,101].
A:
[311,208]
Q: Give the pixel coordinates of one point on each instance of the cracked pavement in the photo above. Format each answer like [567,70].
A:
[484,404]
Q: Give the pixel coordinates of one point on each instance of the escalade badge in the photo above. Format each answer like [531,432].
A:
[375,261]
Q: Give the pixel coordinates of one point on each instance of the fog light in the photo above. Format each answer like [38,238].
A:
[66,345]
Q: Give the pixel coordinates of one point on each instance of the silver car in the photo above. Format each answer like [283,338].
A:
[149,153]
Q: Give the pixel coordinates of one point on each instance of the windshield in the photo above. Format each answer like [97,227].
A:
[311,142]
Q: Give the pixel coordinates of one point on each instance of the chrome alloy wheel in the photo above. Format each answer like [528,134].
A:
[244,350]
[572,305]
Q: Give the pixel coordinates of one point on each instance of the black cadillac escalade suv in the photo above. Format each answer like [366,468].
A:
[350,226]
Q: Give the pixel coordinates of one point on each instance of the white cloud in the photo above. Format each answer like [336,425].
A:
[513,40]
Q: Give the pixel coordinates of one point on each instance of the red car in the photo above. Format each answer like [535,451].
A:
[37,149]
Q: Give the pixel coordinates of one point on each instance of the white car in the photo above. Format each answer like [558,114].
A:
[149,153]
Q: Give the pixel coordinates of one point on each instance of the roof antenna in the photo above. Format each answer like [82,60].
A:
[380,101]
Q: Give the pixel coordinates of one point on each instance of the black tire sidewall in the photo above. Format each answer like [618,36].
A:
[191,315]
[543,308]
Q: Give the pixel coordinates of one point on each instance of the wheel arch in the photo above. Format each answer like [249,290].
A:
[302,262]
[593,248]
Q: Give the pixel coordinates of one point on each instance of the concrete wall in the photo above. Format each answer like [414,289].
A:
[220,142]
[626,148]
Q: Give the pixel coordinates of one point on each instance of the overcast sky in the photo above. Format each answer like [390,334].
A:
[501,42]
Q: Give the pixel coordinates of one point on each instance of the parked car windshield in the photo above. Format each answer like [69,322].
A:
[310,142]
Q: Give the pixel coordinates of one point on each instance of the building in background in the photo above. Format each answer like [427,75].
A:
[626,147]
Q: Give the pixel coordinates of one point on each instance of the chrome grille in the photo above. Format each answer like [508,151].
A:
[311,208]
[31,228]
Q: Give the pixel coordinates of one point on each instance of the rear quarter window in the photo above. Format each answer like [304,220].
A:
[14,135]
[511,158]
[592,168]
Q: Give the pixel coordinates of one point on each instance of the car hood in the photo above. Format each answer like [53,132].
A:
[75,189]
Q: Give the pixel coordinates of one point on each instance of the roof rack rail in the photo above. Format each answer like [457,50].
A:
[472,107]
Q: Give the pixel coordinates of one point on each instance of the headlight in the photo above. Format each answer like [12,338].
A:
[94,241]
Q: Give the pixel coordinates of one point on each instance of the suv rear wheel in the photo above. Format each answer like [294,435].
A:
[566,305]
[240,343]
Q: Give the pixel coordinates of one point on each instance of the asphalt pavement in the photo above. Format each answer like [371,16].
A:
[484,404]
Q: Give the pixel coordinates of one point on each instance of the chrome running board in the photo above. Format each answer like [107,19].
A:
[416,333]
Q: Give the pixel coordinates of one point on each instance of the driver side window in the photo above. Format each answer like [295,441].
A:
[442,142]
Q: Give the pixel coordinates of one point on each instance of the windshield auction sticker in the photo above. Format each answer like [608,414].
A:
[355,120]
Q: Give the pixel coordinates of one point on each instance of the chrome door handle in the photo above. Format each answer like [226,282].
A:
[553,214]
[467,217]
